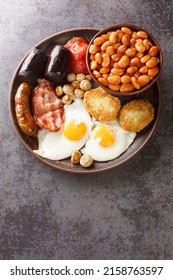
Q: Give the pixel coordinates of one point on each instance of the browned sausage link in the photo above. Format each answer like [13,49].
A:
[23,113]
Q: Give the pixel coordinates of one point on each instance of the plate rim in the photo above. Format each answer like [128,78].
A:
[66,169]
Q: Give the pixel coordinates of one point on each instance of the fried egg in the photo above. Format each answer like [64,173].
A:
[72,135]
[108,141]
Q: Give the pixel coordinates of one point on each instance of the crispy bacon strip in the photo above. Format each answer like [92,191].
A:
[48,108]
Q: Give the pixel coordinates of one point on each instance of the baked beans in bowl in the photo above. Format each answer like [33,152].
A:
[124,59]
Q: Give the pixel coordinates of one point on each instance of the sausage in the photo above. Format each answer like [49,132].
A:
[22,109]
[33,67]
[56,68]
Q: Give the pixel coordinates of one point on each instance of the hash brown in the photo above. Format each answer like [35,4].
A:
[101,105]
[136,115]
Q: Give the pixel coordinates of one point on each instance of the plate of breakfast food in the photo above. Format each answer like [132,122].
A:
[82,101]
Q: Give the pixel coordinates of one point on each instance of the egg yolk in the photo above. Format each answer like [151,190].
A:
[74,131]
[106,133]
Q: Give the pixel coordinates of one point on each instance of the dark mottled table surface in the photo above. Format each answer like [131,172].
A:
[126,213]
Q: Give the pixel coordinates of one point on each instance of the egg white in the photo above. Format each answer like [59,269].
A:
[54,145]
[123,140]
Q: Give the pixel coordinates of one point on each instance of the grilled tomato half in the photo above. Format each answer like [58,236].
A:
[78,47]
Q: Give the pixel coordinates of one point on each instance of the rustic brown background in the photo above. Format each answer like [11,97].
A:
[126,213]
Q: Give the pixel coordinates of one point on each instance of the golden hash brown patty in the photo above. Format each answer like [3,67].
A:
[101,105]
[136,115]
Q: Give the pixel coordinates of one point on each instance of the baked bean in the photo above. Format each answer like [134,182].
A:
[110,50]
[125,79]
[103,81]
[106,60]
[134,35]
[139,41]
[116,65]
[116,57]
[132,69]
[142,34]
[114,87]
[116,45]
[153,51]
[93,65]
[139,46]
[152,62]
[105,45]
[99,41]
[134,61]
[97,74]
[143,80]
[132,42]
[114,79]
[117,71]
[135,83]
[153,71]
[145,58]
[92,57]
[147,44]
[105,36]
[104,70]
[143,69]
[98,58]
[137,74]
[140,54]
[131,51]
[124,61]
[126,39]
[122,49]
[127,87]
[119,35]
[93,49]
[113,37]
[105,76]
[126,30]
